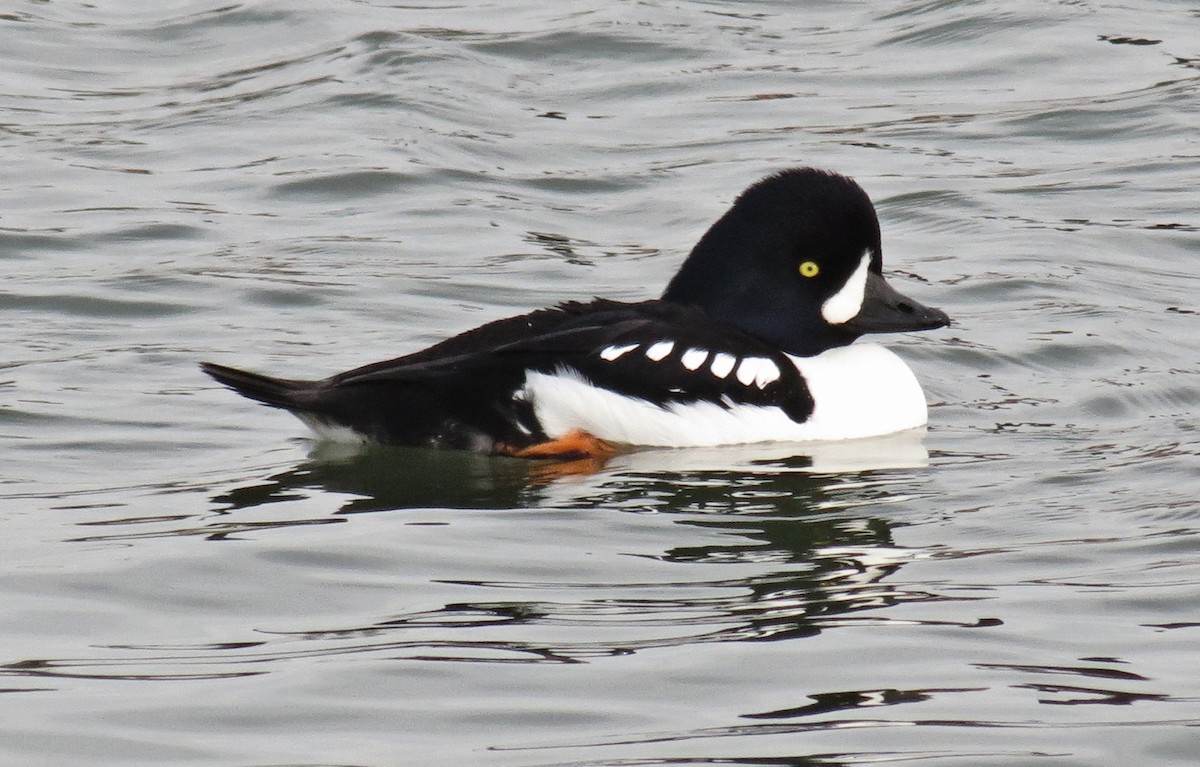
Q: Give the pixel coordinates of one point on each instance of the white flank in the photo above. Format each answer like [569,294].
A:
[845,304]
[860,390]
[694,358]
[722,364]
[612,353]
[659,350]
[334,432]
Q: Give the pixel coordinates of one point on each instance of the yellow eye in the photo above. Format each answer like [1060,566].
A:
[809,269]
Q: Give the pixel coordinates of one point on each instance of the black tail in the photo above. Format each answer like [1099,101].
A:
[276,392]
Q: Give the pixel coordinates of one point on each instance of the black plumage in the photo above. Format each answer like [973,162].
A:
[460,393]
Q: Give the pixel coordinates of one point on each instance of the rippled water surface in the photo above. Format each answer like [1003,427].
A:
[302,187]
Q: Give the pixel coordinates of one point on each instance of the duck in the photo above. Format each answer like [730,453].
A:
[753,340]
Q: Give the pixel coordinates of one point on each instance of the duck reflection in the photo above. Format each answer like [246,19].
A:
[377,478]
[793,513]
[731,478]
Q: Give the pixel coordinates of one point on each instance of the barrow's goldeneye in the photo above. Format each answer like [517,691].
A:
[750,342]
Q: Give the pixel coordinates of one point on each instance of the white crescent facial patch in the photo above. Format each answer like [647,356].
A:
[845,304]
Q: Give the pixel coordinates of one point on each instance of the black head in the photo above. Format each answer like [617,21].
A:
[797,262]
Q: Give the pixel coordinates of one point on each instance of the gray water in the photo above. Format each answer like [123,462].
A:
[302,187]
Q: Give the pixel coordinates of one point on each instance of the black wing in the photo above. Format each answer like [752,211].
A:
[460,393]
[655,351]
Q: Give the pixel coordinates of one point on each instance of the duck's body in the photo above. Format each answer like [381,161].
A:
[749,343]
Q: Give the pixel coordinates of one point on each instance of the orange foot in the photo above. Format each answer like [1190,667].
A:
[572,446]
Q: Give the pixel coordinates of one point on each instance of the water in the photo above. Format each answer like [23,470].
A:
[301,188]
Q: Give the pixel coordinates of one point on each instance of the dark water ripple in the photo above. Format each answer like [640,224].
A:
[303,189]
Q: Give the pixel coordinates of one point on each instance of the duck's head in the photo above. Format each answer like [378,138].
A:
[797,262]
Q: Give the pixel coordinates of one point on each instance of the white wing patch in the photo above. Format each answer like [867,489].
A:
[751,371]
[613,353]
[722,364]
[767,374]
[845,304]
[759,371]
[659,350]
[694,358]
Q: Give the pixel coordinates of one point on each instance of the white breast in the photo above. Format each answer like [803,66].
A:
[860,391]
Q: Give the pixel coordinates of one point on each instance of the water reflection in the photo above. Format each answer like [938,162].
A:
[382,478]
[783,509]
[799,549]
[741,477]
[748,479]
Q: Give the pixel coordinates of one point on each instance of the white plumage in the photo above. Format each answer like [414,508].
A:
[861,390]
[659,350]
[613,353]
[722,364]
[694,358]
[845,304]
